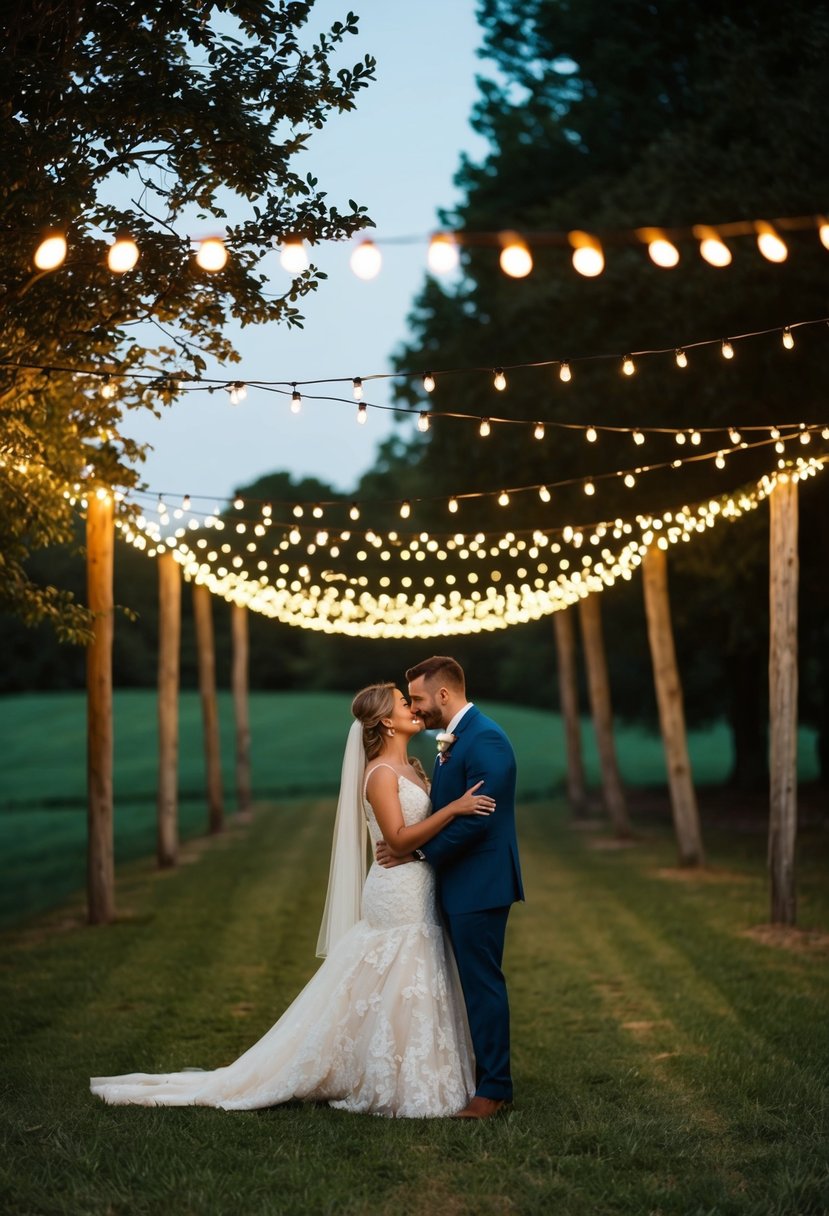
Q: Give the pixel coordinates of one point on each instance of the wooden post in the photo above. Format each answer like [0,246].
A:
[169,637]
[239,631]
[671,712]
[568,693]
[100,544]
[783,700]
[599,688]
[203,614]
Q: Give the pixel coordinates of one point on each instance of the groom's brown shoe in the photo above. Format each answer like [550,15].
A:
[480,1108]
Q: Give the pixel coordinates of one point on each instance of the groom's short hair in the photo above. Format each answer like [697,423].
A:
[441,669]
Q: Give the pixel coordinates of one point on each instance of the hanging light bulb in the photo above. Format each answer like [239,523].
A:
[823,231]
[696,438]
[591,434]
[296,401]
[298,511]
[366,261]
[734,435]
[108,389]
[362,413]
[185,503]
[429,382]
[294,536]
[712,249]
[770,244]
[720,460]
[680,438]
[453,505]
[588,258]
[727,350]
[661,251]
[628,366]
[423,421]
[515,259]
[238,502]
[212,254]
[357,386]
[293,256]
[499,380]
[51,251]
[638,438]
[405,509]
[122,254]
[354,511]
[538,433]
[788,338]
[442,256]
[681,358]
[544,494]
[484,428]
[564,373]
[630,480]
[503,499]
[238,392]
[317,512]
[589,488]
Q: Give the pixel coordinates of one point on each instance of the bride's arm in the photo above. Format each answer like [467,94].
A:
[383,794]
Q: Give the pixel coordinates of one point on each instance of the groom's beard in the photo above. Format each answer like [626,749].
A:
[432,719]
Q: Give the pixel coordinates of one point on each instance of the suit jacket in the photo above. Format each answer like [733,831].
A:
[476,856]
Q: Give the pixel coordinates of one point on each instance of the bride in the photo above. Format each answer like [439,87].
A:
[381,1028]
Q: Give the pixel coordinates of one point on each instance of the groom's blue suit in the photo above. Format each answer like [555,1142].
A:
[479,877]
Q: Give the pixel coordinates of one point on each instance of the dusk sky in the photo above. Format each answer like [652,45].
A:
[396,154]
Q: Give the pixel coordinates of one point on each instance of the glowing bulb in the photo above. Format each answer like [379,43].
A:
[212,255]
[317,512]
[354,512]
[681,358]
[503,499]
[772,247]
[237,392]
[238,502]
[423,421]
[564,373]
[108,389]
[544,494]
[185,503]
[362,413]
[122,255]
[539,430]
[293,257]
[499,380]
[516,259]
[823,232]
[357,386]
[366,261]
[628,366]
[638,438]
[443,255]
[727,350]
[711,247]
[588,258]
[788,338]
[591,434]
[680,438]
[720,460]
[630,480]
[661,251]
[298,511]
[295,536]
[696,438]
[589,488]
[805,437]
[734,435]
[296,401]
[453,505]
[405,509]
[51,251]
[429,382]
[484,428]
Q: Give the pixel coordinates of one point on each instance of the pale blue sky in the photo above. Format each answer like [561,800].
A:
[396,154]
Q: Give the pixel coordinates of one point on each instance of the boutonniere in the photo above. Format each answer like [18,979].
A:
[444,740]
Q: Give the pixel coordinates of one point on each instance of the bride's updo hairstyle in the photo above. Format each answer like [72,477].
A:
[370,706]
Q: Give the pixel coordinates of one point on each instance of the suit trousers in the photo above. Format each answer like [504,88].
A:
[478,944]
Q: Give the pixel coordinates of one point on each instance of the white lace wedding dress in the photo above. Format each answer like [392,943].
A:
[381,1028]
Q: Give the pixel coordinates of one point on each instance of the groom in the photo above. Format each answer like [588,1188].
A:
[476,860]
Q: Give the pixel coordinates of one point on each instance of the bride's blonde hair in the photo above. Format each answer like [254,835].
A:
[369,707]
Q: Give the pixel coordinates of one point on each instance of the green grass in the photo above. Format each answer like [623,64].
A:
[664,1061]
[297,741]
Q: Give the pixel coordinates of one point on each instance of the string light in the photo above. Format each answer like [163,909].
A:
[544,494]
[589,488]
[405,509]
[503,499]
[515,258]
[429,382]
[661,251]
[628,366]
[296,400]
[484,428]
[357,386]
[538,432]
[237,393]
[362,413]
[681,358]
[293,256]
[453,505]
[238,502]
[354,511]
[591,434]
[185,503]
[588,258]
[720,460]
[443,256]
[108,389]
[564,373]
[823,232]
[712,248]
[769,242]
[51,252]
[734,435]
[630,480]
[727,350]
[788,338]
[123,254]
[366,261]
[212,254]
[499,380]
[423,421]
[638,438]
[696,438]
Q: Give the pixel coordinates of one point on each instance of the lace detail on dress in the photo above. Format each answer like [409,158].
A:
[381,1028]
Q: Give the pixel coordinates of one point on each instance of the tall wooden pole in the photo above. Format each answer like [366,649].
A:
[169,637]
[203,614]
[239,631]
[783,700]
[568,693]
[100,544]
[599,688]
[671,712]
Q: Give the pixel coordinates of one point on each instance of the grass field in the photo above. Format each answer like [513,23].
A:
[665,1061]
[297,742]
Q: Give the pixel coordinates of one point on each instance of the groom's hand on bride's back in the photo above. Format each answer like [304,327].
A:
[387,859]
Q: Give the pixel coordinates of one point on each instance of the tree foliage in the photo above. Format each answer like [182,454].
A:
[154,119]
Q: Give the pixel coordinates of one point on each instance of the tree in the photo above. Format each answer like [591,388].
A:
[679,113]
[140,119]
